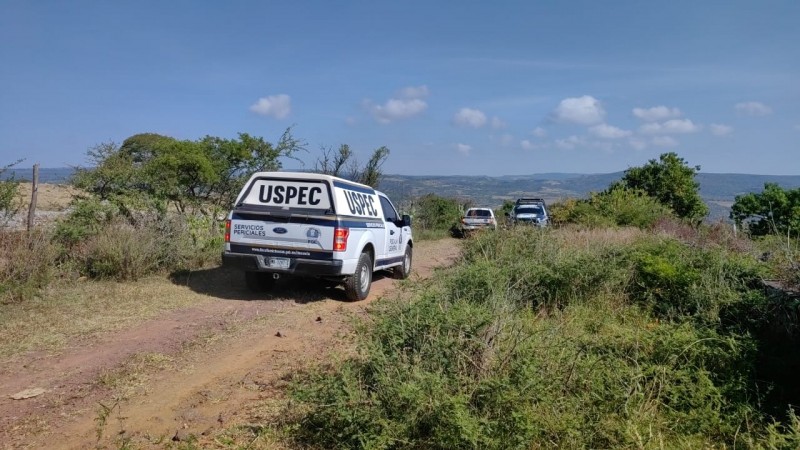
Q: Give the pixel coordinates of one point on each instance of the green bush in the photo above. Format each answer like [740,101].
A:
[87,217]
[560,339]
[617,206]
[677,281]
[432,212]
[9,202]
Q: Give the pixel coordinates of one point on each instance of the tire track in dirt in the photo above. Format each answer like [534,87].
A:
[214,358]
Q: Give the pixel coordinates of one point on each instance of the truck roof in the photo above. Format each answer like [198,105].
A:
[311,176]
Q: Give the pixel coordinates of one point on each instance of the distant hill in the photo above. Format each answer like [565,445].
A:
[718,189]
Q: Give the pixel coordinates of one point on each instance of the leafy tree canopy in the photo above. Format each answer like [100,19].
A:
[671,181]
[774,210]
[152,171]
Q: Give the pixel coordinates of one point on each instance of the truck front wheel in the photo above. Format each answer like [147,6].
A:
[357,285]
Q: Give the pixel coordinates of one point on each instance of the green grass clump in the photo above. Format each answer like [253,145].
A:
[561,339]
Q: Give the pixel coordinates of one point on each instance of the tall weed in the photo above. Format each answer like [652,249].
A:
[28,261]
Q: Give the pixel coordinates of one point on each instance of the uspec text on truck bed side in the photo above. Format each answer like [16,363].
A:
[315,225]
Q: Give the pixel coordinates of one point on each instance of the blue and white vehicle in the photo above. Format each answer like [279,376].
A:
[315,225]
[530,211]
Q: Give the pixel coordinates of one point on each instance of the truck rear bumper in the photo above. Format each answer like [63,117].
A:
[297,266]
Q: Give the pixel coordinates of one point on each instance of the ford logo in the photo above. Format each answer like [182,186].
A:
[280,230]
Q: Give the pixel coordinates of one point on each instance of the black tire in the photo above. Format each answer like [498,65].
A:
[402,271]
[259,281]
[357,285]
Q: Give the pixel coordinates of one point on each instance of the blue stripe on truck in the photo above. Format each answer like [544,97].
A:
[383,262]
[310,221]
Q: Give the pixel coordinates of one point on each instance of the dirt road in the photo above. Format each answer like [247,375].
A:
[191,372]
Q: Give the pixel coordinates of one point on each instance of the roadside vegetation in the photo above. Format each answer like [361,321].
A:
[572,337]
[630,323]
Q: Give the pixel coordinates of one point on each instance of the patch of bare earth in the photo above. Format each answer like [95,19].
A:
[191,372]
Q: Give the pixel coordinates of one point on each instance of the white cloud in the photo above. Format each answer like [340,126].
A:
[585,110]
[720,130]
[277,106]
[664,141]
[753,109]
[396,109]
[606,131]
[528,145]
[506,139]
[656,113]
[464,149]
[674,126]
[468,117]
[412,92]
[498,124]
[570,143]
[539,132]
[637,144]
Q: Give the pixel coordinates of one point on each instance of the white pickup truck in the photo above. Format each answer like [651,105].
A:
[314,225]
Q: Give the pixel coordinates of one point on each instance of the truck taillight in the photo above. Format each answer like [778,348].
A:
[227,230]
[340,239]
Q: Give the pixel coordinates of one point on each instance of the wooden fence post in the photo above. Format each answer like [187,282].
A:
[34,191]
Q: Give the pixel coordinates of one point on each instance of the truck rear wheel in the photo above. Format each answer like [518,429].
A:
[259,281]
[402,271]
[357,285]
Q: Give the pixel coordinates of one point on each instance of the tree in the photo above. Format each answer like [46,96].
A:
[343,164]
[149,171]
[432,212]
[670,181]
[774,210]
[333,163]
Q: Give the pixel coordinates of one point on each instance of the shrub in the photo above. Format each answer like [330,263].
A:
[86,218]
[123,251]
[679,282]
[617,206]
[559,338]
[28,261]
[119,251]
[432,212]
[9,202]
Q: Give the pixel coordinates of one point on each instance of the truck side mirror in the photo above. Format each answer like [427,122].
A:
[406,220]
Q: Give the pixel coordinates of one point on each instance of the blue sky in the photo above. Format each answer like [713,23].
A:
[452,88]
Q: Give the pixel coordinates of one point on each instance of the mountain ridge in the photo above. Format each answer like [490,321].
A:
[718,190]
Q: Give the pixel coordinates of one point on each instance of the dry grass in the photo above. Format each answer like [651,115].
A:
[69,310]
[51,197]
[584,238]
